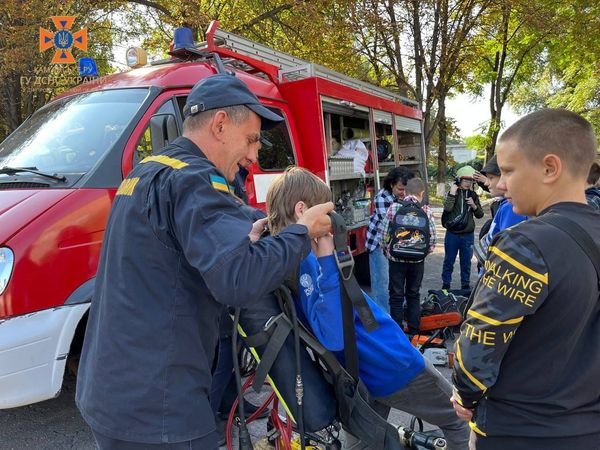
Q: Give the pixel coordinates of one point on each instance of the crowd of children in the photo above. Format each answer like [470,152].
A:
[401,234]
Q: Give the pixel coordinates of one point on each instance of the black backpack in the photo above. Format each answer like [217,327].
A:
[443,301]
[409,233]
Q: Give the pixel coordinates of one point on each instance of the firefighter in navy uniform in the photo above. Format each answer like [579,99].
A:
[528,366]
[177,247]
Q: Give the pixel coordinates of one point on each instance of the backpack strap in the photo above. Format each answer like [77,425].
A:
[581,237]
[352,296]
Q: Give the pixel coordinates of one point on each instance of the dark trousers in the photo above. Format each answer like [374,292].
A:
[208,442]
[405,284]
[223,385]
[587,442]
[455,244]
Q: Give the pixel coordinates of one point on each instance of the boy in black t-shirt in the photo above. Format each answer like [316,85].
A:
[527,357]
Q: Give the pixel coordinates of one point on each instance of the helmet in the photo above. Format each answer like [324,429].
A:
[384,148]
[465,172]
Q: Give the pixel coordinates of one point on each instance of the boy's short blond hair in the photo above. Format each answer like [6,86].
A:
[415,186]
[292,186]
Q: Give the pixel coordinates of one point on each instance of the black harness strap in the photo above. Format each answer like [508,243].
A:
[352,297]
[262,337]
[345,263]
[275,343]
[579,235]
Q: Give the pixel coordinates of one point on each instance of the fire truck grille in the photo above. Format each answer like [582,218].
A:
[23,185]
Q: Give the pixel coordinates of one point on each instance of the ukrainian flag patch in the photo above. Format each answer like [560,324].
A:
[219,183]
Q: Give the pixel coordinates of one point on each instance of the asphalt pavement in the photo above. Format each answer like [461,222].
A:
[56,424]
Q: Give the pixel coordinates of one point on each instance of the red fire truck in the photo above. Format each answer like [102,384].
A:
[60,169]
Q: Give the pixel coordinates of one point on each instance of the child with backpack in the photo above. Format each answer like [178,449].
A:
[408,237]
[394,372]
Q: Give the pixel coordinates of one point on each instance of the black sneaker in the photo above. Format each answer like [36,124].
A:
[445,287]
[465,287]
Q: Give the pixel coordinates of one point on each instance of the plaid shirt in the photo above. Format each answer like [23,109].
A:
[383,200]
[389,216]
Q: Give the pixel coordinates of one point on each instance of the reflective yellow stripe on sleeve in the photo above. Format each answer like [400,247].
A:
[522,267]
[166,160]
[494,322]
[474,380]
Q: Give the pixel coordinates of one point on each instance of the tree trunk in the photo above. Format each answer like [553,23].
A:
[442,155]
[12,97]
[492,134]
[496,98]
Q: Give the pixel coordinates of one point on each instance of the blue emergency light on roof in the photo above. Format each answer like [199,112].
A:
[183,38]
[87,67]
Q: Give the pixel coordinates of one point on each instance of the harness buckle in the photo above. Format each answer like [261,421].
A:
[345,263]
[272,321]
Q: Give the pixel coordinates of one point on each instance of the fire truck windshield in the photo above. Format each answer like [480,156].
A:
[70,136]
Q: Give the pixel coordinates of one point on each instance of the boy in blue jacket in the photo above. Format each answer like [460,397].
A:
[504,217]
[394,372]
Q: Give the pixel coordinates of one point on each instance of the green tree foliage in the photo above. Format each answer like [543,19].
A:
[479,143]
[421,48]
[317,30]
[568,72]
[537,54]
[23,66]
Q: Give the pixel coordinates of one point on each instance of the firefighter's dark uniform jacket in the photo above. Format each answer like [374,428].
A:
[528,355]
[176,249]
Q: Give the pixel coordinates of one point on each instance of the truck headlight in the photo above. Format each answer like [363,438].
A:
[7,261]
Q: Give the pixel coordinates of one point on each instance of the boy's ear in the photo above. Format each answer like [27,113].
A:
[299,209]
[553,168]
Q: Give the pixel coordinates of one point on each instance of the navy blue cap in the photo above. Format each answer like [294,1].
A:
[222,90]
[491,167]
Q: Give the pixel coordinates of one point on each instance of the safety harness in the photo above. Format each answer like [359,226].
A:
[351,400]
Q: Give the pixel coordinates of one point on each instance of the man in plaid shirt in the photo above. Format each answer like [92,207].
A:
[393,188]
[406,276]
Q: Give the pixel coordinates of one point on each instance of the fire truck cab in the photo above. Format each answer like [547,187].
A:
[60,169]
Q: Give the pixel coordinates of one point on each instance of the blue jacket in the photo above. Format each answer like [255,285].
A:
[176,249]
[387,360]
[505,217]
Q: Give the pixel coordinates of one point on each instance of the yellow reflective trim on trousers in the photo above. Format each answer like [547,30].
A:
[167,161]
[513,262]
[474,380]
[494,322]
[476,429]
[269,379]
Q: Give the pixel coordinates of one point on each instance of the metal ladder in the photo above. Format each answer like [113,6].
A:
[292,68]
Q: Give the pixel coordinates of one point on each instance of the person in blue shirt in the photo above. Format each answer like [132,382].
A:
[394,372]
[504,217]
